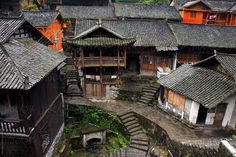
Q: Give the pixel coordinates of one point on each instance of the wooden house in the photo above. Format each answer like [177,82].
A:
[50,23]
[197,42]
[203,93]
[210,12]
[154,47]
[31,106]
[73,14]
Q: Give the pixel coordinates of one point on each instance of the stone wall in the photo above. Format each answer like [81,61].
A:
[177,149]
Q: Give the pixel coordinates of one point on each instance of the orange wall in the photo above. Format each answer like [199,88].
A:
[188,19]
[223,18]
[54,33]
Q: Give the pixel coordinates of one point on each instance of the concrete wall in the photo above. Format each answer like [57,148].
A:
[229,111]
[194,112]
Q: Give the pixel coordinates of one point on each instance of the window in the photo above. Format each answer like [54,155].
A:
[193,14]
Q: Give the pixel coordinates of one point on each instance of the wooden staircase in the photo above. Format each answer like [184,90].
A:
[148,94]
[139,142]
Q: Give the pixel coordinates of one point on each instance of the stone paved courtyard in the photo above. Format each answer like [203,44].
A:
[176,130]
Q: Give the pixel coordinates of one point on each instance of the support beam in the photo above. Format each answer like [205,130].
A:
[174,61]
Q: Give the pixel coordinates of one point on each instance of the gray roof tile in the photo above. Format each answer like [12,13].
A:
[8,27]
[149,11]
[202,85]
[204,36]
[87,12]
[147,33]
[25,58]
[38,18]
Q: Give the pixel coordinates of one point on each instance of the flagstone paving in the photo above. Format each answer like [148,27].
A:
[207,137]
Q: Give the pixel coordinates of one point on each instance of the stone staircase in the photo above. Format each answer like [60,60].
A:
[147,95]
[139,142]
[72,82]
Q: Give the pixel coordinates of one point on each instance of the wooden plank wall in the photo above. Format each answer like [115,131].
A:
[175,99]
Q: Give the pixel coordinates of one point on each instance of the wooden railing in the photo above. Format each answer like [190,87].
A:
[101,61]
[16,127]
[104,78]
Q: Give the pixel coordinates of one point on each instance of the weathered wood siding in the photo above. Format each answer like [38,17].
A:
[175,99]
[150,60]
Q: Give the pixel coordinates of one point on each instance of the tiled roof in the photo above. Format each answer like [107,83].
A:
[101,42]
[204,35]
[227,61]
[87,12]
[8,26]
[120,10]
[202,85]
[24,62]
[217,5]
[38,18]
[149,11]
[147,33]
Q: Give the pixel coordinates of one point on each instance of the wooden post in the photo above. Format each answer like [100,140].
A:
[207,16]
[82,57]
[227,20]
[100,56]
[118,61]
[125,57]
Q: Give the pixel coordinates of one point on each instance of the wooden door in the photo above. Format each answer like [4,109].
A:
[219,116]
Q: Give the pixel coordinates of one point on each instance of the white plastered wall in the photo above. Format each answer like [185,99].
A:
[193,112]
[229,110]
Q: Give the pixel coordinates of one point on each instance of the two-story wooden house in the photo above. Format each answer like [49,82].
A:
[197,42]
[203,93]
[139,53]
[31,106]
[210,12]
[100,54]
[50,24]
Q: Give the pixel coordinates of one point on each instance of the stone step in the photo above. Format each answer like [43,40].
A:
[148,94]
[146,98]
[135,129]
[124,116]
[142,140]
[148,91]
[133,125]
[128,119]
[139,147]
[143,101]
[130,123]
[141,104]
[137,133]
[139,143]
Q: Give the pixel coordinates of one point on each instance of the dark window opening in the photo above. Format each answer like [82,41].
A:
[202,114]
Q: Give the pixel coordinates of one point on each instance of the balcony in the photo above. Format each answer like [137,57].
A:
[25,128]
[104,79]
[15,127]
[102,61]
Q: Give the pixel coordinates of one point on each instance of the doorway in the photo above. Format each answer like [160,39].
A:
[220,113]
[202,114]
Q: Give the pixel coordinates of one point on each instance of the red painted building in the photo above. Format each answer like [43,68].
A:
[50,24]
[210,12]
